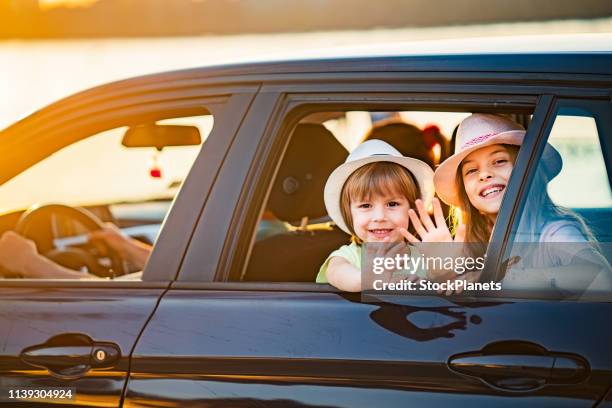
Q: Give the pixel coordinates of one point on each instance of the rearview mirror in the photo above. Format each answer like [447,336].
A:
[160,136]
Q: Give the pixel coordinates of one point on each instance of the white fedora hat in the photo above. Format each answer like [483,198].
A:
[367,152]
[477,131]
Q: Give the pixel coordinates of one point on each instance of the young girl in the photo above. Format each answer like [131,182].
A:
[369,197]
[474,181]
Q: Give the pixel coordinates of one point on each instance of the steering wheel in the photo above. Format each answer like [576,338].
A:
[38,224]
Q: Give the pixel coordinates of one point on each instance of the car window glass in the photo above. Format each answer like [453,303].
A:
[583,180]
[99,169]
[561,243]
[130,187]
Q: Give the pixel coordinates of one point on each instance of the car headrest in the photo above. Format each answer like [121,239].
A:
[313,153]
[406,138]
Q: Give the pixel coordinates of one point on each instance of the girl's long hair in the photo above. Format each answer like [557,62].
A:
[478,227]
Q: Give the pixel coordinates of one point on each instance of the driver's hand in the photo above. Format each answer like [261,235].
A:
[113,237]
[17,252]
[127,248]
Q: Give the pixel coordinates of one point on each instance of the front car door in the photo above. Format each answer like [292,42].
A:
[75,336]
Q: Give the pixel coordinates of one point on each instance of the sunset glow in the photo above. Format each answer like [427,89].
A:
[50,4]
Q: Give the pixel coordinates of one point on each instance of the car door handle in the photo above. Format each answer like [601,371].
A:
[70,356]
[514,369]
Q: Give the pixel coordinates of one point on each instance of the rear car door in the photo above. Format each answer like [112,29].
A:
[299,344]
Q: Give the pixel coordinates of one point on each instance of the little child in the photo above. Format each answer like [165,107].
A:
[369,197]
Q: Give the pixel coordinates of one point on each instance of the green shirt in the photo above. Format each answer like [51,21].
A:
[352,253]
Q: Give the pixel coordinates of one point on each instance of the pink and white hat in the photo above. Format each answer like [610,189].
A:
[477,131]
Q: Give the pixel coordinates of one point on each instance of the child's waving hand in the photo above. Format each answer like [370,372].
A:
[429,231]
[432,232]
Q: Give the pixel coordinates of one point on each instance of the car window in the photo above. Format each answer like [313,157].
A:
[294,234]
[562,237]
[126,177]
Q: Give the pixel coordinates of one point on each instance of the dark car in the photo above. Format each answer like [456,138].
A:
[227,311]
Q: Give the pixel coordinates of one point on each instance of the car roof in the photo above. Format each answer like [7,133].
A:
[562,54]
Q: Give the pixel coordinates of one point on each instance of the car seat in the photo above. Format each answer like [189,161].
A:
[296,196]
[409,139]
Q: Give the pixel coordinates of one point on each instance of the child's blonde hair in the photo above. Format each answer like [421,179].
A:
[378,178]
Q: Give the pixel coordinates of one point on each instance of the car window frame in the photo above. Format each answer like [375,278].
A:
[290,107]
[299,111]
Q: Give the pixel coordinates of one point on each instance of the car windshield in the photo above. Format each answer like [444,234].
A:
[100,170]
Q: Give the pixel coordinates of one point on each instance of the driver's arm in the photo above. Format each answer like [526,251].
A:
[128,248]
[19,256]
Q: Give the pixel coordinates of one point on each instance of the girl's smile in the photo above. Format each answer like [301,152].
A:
[485,173]
[492,191]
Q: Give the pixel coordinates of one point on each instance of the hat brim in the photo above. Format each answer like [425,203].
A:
[422,173]
[446,173]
